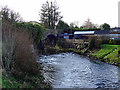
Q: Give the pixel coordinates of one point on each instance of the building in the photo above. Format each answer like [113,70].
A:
[112,34]
[116,29]
[102,33]
[66,36]
[83,34]
[115,33]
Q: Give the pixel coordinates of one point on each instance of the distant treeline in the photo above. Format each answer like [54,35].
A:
[72,30]
[86,29]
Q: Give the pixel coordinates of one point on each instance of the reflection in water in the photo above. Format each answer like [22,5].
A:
[69,70]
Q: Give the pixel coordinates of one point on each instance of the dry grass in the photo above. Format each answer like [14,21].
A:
[18,52]
[24,54]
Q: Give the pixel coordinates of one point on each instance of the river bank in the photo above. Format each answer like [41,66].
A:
[9,81]
[107,53]
[38,80]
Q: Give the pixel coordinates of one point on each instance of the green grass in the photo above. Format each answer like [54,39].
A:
[33,81]
[8,81]
[113,57]
[105,50]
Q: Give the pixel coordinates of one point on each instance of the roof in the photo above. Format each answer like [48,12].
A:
[102,32]
[84,32]
[116,29]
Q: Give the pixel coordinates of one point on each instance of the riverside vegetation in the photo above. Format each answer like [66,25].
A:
[22,71]
[20,41]
[31,77]
[20,45]
[98,49]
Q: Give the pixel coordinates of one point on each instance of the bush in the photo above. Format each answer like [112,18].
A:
[117,42]
[64,44]
[18,55]
[24,55]
[98,43]
[111,41]
[91,43]
[105,40]
[119,52]
[35,30]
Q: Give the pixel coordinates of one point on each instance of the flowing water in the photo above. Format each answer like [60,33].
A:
[69,70]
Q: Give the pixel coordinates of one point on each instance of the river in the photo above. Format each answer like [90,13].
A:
[70,70]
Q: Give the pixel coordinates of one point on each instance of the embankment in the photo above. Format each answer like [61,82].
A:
[107,53]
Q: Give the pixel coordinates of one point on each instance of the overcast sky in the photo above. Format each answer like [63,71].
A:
[99,11]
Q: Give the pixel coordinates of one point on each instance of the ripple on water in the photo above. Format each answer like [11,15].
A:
[69,70]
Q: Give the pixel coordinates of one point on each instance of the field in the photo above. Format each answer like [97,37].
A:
[113,57]
[109,53]
[105,50]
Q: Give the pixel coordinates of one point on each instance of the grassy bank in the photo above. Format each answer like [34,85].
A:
[113,57]
[8,81]
[105,50]
[107,53]
[36,81]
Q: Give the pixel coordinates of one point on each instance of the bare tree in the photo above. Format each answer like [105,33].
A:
[49,14]
[8,37]
[74,24]
[10,15]
[89,24]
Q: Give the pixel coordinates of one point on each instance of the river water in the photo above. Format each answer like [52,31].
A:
[70,70]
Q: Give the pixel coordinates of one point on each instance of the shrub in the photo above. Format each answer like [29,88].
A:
[64,43]
[105,40]
[117,42]
[95,42]
[35,30]
[91,43]
[18,55]
[111,41]
[119,52]
[24,54]
[61,43]
[98,43]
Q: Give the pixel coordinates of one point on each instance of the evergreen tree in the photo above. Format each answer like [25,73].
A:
[105,26]
[62,25]
[49,14]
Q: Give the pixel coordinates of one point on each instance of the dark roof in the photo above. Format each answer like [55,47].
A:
[102,32]
[117,28]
